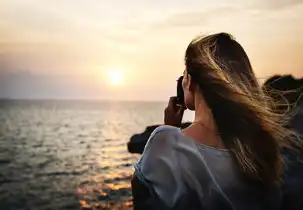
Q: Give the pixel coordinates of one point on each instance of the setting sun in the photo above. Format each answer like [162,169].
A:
[115,76]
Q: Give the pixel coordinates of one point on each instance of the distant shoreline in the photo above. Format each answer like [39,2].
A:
[78,100]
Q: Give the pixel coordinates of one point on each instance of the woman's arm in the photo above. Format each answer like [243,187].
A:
[142,197]
[154,181]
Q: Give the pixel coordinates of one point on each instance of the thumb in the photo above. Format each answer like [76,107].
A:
[180,111]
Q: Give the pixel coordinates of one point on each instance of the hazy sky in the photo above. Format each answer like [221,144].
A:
[66,48]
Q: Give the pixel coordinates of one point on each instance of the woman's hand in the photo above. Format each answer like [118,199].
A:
[173,114]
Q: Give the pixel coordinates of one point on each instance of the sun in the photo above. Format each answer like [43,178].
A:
[115,76]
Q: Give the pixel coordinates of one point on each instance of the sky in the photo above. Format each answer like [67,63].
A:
[134,49]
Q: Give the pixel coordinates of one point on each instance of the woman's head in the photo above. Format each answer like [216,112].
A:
[218,72]
[216,57]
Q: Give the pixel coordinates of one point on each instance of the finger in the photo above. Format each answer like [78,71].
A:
[180,111]
[172,102]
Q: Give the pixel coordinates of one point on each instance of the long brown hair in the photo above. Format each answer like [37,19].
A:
[249,128]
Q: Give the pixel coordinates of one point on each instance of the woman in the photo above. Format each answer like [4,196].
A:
[229,158]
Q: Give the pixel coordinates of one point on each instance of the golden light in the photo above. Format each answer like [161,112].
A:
[115,76]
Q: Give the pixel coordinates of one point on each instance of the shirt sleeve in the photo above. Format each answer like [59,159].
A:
[158,166]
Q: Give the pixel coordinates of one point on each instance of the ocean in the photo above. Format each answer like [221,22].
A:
[70,154]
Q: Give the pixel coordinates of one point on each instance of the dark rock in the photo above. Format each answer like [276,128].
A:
[287,92]
[283,83]
[284,89]
[296,121]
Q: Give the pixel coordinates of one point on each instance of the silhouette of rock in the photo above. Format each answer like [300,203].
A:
[137,141]
[283,82]
[296,120]
[281,87]
[287,92]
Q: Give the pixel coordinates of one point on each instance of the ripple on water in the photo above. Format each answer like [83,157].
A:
[4,161]
[63,155]
[112,194]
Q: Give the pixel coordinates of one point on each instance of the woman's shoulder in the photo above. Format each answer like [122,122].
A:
[163,136]
[164,149]
[159,146]
[165,129]
[158,167]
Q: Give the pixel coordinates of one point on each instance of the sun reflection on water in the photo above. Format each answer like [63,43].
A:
[66,154]
[115,195]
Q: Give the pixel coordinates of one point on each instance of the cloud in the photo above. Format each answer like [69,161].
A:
[198,19]
[187,19]
[275,4]
[193,18]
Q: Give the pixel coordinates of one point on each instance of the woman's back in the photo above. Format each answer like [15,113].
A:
[233,113]
[187,174]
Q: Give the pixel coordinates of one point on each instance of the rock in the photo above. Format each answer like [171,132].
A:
[284,89]
[287,89]
[296,121]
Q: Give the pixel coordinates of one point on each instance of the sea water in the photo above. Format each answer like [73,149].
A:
[70,154]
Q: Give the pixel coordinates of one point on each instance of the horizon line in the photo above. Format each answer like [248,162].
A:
[79,99]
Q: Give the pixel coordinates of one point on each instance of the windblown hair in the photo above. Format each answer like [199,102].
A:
[248,126]
[285,90]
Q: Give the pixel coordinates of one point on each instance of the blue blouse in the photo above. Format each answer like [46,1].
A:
[182,172]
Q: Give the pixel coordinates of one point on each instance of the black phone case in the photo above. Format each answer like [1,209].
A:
[180,93]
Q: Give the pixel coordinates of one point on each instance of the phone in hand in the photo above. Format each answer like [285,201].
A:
[180,93]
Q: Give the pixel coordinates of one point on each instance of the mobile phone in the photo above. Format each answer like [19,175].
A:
[180,93]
